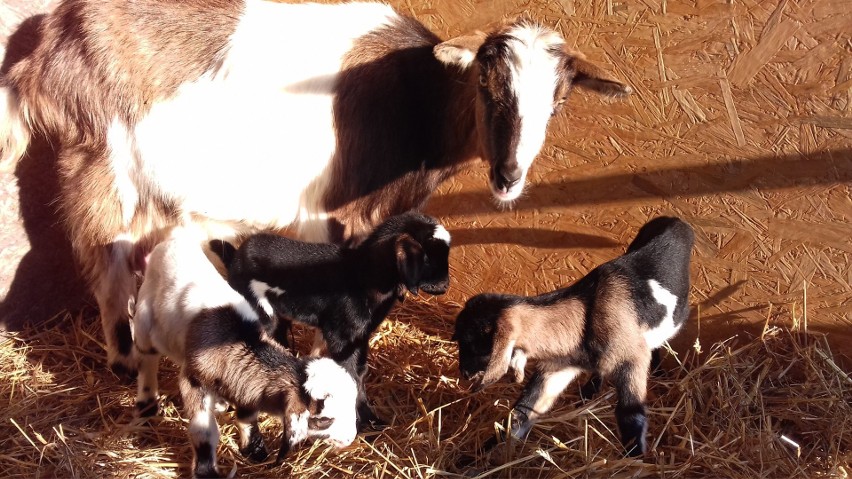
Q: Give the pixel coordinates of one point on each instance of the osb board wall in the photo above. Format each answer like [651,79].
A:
[740,124]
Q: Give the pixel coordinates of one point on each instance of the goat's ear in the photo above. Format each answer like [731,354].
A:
[409,261]
[224,250]
[592,77]
[501,354]
[460,51]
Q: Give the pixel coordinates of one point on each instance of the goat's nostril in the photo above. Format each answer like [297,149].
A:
[506,179]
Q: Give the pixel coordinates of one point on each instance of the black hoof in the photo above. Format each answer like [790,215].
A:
[591,388]
[256,450]
[147,408]
[123,373]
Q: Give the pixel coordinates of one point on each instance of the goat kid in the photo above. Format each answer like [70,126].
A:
[364,113]
[608,322]
[187,312]
[345,292]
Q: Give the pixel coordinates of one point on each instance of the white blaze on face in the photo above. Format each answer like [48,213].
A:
[666,329]
[534,77]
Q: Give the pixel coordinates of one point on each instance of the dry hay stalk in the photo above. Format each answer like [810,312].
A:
[779,406]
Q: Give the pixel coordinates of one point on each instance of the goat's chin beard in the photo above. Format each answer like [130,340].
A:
[505,202]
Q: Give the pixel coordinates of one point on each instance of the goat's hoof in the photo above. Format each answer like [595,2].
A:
[147,408]
[205,472]
[256,451]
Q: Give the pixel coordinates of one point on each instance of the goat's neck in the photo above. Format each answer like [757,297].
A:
[460,131]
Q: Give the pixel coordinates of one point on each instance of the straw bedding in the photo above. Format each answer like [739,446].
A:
[740,124]
[779,405]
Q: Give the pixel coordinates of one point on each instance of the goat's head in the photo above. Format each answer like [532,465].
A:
[524,73]
[421,249]
[333,393]
[486,339]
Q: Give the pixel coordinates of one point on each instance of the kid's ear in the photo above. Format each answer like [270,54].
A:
[501,353]
[498,365]
[460,51]
[409,261]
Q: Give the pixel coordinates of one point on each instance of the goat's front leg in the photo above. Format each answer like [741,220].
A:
[203,429]
[354,361]
[631,381]
[538,397]
[147,388]
[99,231]
[251,440]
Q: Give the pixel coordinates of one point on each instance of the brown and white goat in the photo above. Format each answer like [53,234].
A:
[338,116]
[608,322]
[187,312]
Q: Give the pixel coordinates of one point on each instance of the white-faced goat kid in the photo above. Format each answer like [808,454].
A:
[608,323]
[187,312]
[344,292]
[353,112]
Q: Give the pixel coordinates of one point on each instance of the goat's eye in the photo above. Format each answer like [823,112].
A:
[483,80]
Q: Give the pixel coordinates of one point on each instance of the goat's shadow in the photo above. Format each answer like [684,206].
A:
[46,281]
[765,173]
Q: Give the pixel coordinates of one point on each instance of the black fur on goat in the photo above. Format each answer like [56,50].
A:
[345,292]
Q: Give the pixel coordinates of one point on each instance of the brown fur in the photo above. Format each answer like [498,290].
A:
[374,90]
[101,60]
[217,354]
[614,318]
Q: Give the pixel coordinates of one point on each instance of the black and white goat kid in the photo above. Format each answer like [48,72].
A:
[608,322]
[188,312]
[346,292]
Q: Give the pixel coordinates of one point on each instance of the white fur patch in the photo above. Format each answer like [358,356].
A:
[556,382]
[298,427]
[122,161]
[202,425]
[252,140]
[666,329]
[518,363]
[180,282]
[14,134]
[328,381]
[535,76]
[260,289]
[507,354]
[442,234]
